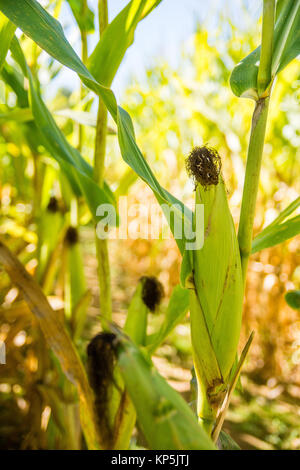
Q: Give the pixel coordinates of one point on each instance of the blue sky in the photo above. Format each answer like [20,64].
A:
[160,35]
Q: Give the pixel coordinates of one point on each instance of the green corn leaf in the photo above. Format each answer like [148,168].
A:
[231,387]
[24,114]
[118,36]
[276,234]
[77,169]
[177,309]
[285,213]
[48,34]
[165,418]
[7,31]
[287,35]
[69,158]
[293,299]
[82,117]
[149,6]
[84,17]
[217,275]
[15,80]
[243,79]
[17,114]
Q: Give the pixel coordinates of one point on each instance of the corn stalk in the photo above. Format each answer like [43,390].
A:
[99,165]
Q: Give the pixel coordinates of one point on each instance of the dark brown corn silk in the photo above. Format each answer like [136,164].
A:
[101,353]
[53,205]
[204,166]
[71,237]
[152,292]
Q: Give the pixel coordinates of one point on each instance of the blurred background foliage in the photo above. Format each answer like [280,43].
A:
[173,108]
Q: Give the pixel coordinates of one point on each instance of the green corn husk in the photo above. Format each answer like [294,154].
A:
[166,420]
[114,408]
[74,279]
[49,227]
[136,320]
[147,297]
[216,295]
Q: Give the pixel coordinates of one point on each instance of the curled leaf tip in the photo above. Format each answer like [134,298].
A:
[204,166]
[152,292]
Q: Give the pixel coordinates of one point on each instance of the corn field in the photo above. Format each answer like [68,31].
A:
[149,245]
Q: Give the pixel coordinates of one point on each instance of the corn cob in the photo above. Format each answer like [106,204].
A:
[216,284]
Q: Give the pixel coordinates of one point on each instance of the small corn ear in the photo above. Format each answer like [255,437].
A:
[136,321]
[147,297]
[218,276]
[215,278]
[50,225]
[74,278]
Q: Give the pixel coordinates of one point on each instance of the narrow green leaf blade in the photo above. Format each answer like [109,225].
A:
[47,32]
[287,35]
[7,31]
[243,80]
[118,36]
[276,234]
[72,162]
[286,212]
[165,418]
[17,114]
[84,16]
